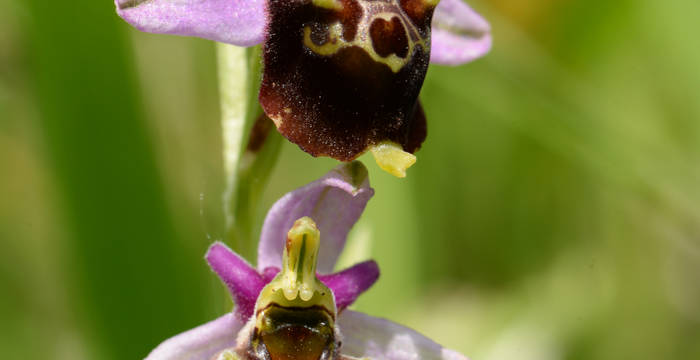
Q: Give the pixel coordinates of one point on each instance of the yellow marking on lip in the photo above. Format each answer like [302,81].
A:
[371,12]
[328,4]
[332,46]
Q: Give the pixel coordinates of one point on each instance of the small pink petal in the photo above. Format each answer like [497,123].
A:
[237,22]
[350,283]
[365,336]
[335,202]
[200,343]
[459,34]
[242,280]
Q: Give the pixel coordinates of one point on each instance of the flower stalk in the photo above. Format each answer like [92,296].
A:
[250,148]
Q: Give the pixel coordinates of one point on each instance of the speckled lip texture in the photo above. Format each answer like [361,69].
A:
[340,98]
[337,78]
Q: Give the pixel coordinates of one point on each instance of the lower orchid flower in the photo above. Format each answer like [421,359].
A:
[340,77]
[290,307]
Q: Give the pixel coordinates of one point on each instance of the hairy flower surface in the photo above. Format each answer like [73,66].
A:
[289,307]
[341,76]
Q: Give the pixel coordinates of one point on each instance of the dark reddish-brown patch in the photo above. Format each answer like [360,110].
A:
[389,37]
[418,11]
[338,105]
[419,131]
[350,18]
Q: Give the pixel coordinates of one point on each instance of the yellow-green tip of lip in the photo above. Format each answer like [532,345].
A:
[392,159]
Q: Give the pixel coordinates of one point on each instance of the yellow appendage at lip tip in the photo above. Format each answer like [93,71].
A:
[392,159]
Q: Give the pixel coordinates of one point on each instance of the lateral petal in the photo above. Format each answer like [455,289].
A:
[349,284]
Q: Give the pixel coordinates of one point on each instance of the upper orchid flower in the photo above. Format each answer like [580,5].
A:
[341,76]
[286,309]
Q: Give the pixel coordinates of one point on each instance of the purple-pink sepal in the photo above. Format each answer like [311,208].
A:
[237,22]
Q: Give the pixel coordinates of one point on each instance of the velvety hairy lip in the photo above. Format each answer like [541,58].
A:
[339,80]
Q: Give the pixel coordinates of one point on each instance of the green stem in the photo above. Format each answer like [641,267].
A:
[250,145]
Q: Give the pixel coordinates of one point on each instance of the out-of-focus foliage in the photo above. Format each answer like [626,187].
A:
[554,212]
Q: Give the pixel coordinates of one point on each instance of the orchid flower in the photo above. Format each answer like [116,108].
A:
[341,77]
[290,307]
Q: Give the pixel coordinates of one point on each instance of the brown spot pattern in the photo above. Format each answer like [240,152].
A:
[389,37]
[350,18]
[416,9]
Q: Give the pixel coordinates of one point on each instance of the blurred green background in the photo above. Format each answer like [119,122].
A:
[554,212]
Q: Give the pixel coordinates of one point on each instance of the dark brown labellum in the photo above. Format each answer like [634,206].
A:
[342,75]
